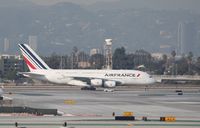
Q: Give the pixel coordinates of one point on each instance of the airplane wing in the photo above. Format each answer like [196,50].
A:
[74,80]
[71,81]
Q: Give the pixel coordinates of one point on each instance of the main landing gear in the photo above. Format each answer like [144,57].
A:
[108,90]
[91,88]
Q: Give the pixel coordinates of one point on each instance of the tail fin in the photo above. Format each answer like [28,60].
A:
[32,60]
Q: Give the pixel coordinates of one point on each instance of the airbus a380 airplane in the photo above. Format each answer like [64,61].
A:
[86,78]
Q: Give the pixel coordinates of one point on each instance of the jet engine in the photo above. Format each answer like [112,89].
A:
[109,84]
[96,82]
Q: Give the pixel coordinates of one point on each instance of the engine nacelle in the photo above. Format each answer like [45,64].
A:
[109,84]
[96,82]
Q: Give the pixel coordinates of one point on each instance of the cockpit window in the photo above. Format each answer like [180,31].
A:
[150,76]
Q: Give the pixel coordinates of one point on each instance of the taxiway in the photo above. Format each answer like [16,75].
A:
[95,108]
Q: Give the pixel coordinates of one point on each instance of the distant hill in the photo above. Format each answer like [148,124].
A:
[62,26]
[192,5]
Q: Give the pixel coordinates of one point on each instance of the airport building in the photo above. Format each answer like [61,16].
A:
[33,42]
[142,57]
[95,51]
[10,64]
[187,38]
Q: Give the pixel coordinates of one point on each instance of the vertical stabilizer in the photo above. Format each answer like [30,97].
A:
[33,61]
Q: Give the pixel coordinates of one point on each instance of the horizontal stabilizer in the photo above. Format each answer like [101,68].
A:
[32,75]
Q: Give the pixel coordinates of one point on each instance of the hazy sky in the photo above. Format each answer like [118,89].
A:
[156,4]
[49,2]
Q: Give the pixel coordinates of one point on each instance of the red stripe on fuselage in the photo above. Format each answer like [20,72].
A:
[29,63]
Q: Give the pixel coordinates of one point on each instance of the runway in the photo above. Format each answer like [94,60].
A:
[95,108]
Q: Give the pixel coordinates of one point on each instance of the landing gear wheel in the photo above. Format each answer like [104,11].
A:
[89,88]
[108,90]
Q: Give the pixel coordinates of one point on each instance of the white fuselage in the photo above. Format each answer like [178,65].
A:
[127,77]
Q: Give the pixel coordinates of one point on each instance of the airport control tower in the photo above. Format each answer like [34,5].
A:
[108,53]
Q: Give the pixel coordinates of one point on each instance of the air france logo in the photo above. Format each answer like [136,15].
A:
[122,75]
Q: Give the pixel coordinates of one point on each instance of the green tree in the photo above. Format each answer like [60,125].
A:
[11,75]
[119,58]
[182,66]
[130,61]
[53,61]
[197,65]
[173,53]
[143,57]
[97,61]
[164,58]
[159,66]
[190,58]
